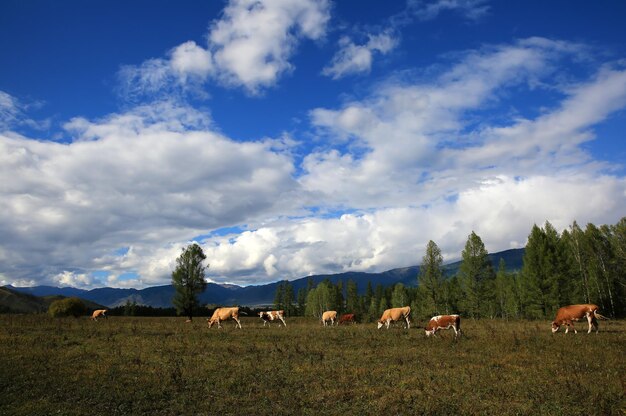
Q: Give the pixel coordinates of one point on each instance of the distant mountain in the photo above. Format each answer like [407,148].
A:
[260,295]
[14,301]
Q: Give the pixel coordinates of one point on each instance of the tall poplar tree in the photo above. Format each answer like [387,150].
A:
[188,280]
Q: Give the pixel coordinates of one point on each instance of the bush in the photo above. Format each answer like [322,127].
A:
[67,307]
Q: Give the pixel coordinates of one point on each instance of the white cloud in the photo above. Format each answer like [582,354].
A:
[143,178]
[415,134]
[355,59]
[428,10]
[73,279]
[393,170]
[249,46]
[189,59]
[13,114]
[501,210]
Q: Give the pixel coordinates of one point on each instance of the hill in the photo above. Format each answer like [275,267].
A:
[258,295]
[14,301]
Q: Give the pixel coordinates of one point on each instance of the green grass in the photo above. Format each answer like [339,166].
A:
[162,366]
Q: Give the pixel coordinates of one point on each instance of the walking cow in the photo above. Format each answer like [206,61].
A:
[567,315]
[444,322]
[224,314]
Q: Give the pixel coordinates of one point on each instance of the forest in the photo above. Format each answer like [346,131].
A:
[576,266]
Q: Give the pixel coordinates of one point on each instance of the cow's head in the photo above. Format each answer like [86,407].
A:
[429,332]
[210,322]
[261,314]
[555,327]
[380,324]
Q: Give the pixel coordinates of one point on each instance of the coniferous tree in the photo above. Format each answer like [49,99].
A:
[188,280]
[399,296]
[476,277]
[339,299]
[279,296]
[617,239]
[288,298]
[352,298]
[301,301]
[544,273]
[430,280]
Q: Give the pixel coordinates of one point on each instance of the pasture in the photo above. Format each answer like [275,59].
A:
[162,366]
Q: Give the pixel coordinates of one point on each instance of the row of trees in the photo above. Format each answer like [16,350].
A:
[576,266]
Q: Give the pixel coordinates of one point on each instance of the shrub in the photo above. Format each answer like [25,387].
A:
[67,307]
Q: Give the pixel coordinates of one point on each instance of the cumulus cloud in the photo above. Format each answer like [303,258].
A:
[501,210]
[249,47]
[414,160]
[142,178]
[355,59]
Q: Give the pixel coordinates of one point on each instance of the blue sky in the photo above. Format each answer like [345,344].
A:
[299,137]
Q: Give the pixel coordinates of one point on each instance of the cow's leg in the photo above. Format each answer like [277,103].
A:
[283,322]
[237,323]
[408,323]
[588,322]
[570,324]
[388,323]
[594,322]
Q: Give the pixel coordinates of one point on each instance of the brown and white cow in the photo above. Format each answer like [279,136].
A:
[444,322]
[394,315]
[567,315]
[270,316]
[329,316]
[224,314]
[99,313]
[347,318]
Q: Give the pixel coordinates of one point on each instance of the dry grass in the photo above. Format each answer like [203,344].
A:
[162,366]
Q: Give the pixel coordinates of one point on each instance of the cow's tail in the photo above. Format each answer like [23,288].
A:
[242,313]
[598,316]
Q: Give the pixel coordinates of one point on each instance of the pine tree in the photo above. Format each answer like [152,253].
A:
[352,298]
[476,277]
[544,273]
[430,280]
[279,296]
[288,298]
[188,280]
[301,301]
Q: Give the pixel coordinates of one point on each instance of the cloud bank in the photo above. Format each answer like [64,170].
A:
[490,139]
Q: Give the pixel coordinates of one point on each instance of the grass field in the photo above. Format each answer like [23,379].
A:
[162,366]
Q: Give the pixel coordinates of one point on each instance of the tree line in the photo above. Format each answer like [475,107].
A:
[576,266]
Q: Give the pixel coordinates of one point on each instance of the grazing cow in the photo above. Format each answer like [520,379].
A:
[347,318]
[567,315]
[329,316]
[99,313]
[273,316]
[224,314]
[444,322]
[394,315]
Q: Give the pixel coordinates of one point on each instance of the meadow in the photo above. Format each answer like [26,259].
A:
[163,366]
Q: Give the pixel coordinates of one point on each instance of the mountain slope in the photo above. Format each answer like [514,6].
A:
[13,301]
[161,296]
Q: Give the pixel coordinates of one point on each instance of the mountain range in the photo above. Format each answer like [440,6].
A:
[14,301]
[260,295]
